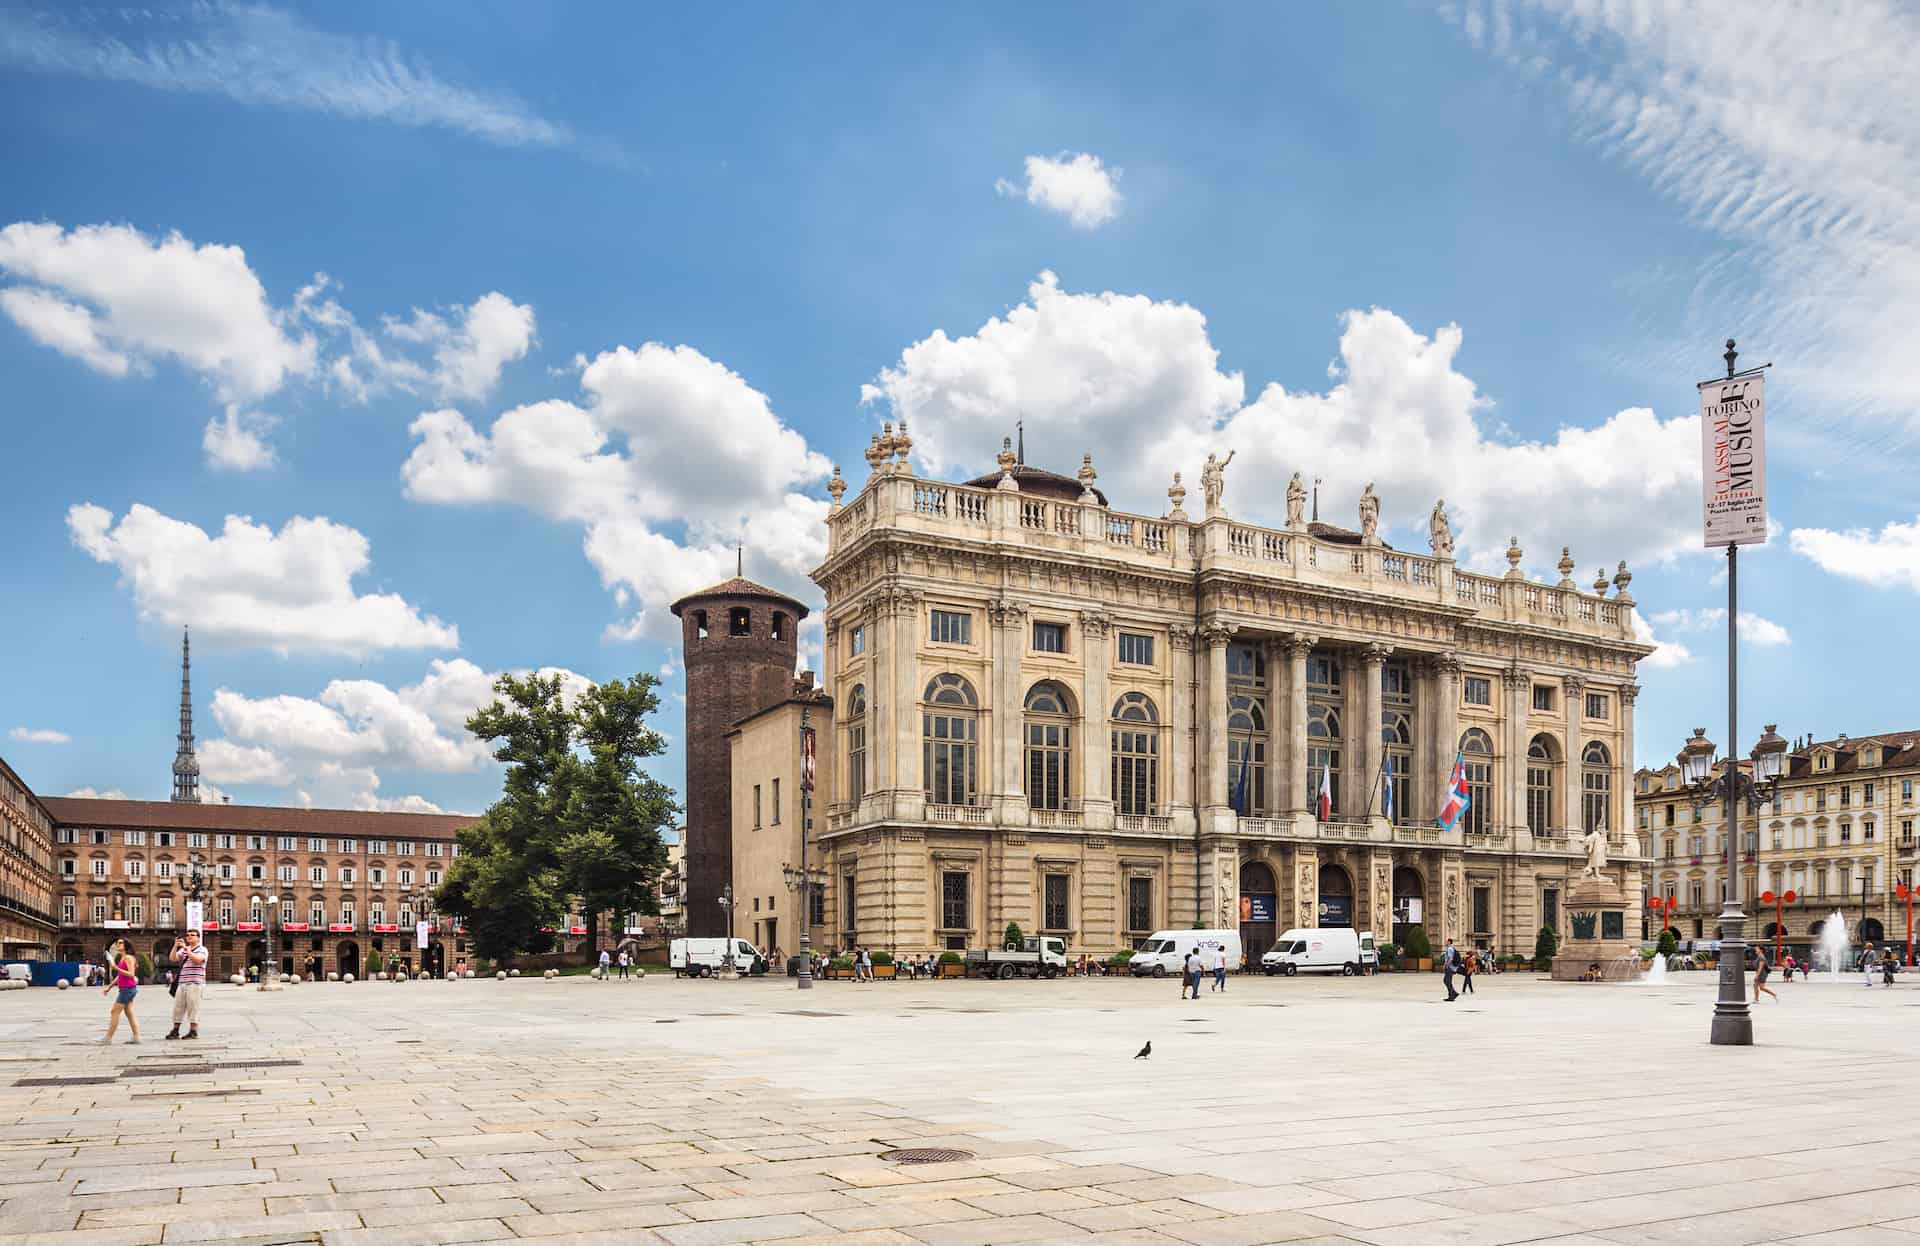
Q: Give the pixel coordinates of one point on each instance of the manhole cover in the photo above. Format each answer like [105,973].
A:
[925,1155]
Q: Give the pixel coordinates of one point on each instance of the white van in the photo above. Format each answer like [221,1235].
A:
[1166,951]
[703,958]
[1340,948]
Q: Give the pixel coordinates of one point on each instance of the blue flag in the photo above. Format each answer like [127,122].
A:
[1240,789]
[1386,792]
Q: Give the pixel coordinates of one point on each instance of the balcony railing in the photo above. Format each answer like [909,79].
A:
[1144,823]
[970,815]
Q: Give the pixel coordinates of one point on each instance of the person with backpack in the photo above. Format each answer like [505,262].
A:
[1449,965]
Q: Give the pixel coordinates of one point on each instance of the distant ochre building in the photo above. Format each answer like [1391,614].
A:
[1841,838]
[1098,724]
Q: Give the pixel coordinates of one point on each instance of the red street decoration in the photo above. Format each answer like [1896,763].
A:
[1664,905]
[1785,897]
[296,927]
[1907,893]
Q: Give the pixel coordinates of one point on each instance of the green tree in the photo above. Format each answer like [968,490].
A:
[1013,938]
[576,818]
[1544,948]
[1669,942]
[1417,944]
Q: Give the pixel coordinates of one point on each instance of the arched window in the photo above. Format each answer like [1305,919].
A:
[1396,732]
[1542,756]
[1477,748]
[1247,754]
[1136,755]
[1596,787]
[1323,752]
[857,744]
[949,741]
[1049,747]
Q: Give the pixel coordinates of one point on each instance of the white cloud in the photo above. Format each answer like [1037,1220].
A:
[39,735]
[258,55]
[1889,558]
[1794,133]
[664,439]
[93,793]
[121,302]
[1139,380]
[1074,184]
[290,591]
[1666,654]
[1754,629]
[330,749]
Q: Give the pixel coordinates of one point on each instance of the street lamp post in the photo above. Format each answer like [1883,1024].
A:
[805,879]
[1732,1022]
[1664,905]
[270,914]
[726,905]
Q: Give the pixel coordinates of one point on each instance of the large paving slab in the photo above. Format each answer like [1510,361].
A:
[703,1113]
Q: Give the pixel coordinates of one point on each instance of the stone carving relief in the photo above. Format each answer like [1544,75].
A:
[1453,906]
[1181,636]
[1227,892]
[1095,623]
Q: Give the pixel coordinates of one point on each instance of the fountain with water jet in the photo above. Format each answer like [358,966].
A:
[1834,945]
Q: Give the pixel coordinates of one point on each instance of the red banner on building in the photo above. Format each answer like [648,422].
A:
[248,926]
[385,928]
[294,927]
[339,927]
[576,930]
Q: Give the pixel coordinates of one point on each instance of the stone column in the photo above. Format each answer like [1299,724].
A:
[884,701]
[1096,739]
[1217,634]
[1299,795]
[903,657]
[1002,726]
[1572,688]
[1176,784]
[1623,765]
[1279,730]
[1362,795]
[1516,692]
[1444,688]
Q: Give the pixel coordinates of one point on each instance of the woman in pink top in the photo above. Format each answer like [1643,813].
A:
[125,985]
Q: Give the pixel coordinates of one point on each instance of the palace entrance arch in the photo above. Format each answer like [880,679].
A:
[1336,896]
[1409,901]
[1259,910]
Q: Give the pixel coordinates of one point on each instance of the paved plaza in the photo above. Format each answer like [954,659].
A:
[703,1113]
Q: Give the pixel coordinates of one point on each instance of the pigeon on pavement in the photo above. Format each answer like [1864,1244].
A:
[1144,1052]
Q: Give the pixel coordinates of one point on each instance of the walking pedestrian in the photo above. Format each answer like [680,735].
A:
[1220,969]
[1787,967]
[1466,972]
[1449,965]
[1761,968]
[866,964]
[1869,960]
[123,985]
[1889,965]
[606,964]
[190,956]
[1190,974]
[626,964]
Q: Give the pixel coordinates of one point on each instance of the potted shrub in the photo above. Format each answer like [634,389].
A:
[1119,961]
[1419,949]
[883,965]
[840,967]
[952,965]
[1545,947]
[1389,957]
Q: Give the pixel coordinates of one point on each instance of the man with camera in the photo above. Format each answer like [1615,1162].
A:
[191,956]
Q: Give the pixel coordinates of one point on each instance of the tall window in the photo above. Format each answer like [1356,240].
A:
[1059,887]
[776,802]
[1139,904]
[1136,649]
[849,904]
[1476,690]
[953,901]
[1324,695]
[857,744]
[949,738]
[1540,764]
[1136,755]
[1477,749]
[1397,719]
[856,641]
[1247,754]
[1049,748]
[1596,787]
[1049,638]
[950,627]
[99,911]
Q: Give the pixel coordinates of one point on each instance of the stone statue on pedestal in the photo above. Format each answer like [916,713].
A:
[1595,843]
[1369,515]
[1213,480]
[1440,531]
[1296,503]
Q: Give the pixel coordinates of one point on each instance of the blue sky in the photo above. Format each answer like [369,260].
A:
[607,289]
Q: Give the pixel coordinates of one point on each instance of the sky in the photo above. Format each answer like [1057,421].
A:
[395,347]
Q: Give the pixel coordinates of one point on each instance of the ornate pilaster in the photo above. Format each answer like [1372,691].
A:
[1573,688]
[1216,633]
[1299,798]
[1361,798]
[1516,692]
[1007,621]
[1097,741]
[1443,687]
[1180,720]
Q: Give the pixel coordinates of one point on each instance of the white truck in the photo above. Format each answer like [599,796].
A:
[1337,949]
[1036,958]
[706,958]
[1165,952]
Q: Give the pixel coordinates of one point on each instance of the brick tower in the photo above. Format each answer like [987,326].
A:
[739,641]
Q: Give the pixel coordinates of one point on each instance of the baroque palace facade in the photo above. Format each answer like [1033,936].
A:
[1099,725]
[1840,836]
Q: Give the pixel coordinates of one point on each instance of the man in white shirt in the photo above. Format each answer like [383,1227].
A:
[606,962]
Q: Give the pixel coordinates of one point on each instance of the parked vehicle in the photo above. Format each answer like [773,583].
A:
[1338,949]
[1166,951]
[703,958]
[1036,958]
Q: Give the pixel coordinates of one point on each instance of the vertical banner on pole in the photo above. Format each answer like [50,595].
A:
[196,914]
[806,759]
[1733,460]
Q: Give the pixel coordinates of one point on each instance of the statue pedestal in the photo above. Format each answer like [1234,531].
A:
[1599,910]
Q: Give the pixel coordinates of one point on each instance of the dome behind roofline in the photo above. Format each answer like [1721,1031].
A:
[1039,482]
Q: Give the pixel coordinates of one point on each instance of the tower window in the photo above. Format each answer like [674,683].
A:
[779,625]
[700,624]
[739,621]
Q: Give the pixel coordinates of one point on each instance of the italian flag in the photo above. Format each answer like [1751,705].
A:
[1323,802]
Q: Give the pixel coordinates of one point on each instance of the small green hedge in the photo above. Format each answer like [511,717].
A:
[883,958]
[950,958]
[1120,959]
[840,962]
